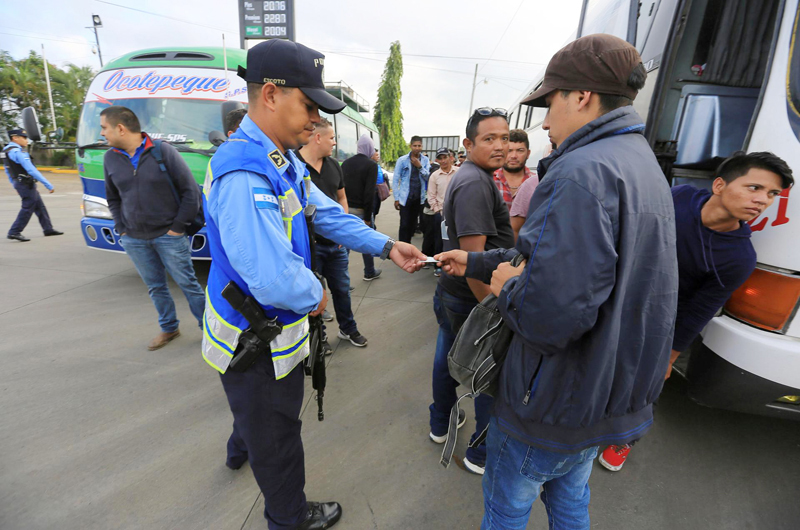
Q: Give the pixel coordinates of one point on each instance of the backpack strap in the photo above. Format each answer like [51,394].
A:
[158,155]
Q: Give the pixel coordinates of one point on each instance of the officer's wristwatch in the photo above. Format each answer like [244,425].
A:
[387,248]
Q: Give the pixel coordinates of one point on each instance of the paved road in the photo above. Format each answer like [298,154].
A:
[98,433]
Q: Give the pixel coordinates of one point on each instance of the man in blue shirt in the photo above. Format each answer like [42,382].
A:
[256,192]
[23,176]
[410,182]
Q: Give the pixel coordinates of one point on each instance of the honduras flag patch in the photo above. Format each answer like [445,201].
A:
[265,199]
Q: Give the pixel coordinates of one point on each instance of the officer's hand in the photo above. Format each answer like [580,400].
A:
[407,257]
[397,205]
[52,190]
[321,307]
[454,262]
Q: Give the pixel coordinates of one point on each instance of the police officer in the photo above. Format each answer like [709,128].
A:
[23,176]
[255,192]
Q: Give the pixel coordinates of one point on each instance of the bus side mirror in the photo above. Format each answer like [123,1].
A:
[216,138]
[31,124]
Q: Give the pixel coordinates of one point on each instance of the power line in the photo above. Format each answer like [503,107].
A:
[43,38]
[166,16]
[428,67]
[378,52]
[513,17]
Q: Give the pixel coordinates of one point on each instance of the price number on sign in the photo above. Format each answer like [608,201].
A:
[275,31]
[275,6]
[276,18]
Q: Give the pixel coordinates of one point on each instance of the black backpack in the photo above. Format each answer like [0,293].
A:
[475,360]
[199,220]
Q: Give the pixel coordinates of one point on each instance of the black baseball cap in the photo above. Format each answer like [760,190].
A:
[17,132]
[442,151]
[289,64]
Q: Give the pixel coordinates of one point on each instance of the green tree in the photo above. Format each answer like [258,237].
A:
[388,116]
[69,90]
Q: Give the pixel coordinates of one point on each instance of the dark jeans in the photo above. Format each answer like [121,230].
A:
[153,259]
[266,431]
[369,260]
[32,203]
[451,312]
[429,230]
[409,214]
[332,264]
[515,472]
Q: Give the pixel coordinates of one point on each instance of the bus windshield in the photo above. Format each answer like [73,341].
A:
[175,120]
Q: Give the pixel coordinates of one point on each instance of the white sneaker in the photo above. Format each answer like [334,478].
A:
[462,419]
[474,468]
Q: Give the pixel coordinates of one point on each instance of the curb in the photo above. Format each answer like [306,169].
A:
[53,169]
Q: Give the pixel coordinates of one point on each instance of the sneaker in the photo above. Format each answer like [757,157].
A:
[326,348]
[437,271]
[327,317]
[614,457]
[352,288]
[372,276]
[426,266]
[473,467]
[462,419]
[356,338]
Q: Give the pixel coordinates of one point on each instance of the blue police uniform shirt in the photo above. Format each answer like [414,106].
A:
[252,233]
[21,157]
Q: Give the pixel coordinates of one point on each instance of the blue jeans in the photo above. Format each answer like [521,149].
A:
[332,263]
[153,258]
[451,312]
[516,471]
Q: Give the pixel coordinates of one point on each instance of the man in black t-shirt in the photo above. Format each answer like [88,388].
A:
[332,259]
[475,219]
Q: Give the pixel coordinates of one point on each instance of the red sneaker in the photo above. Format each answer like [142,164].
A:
[614,457]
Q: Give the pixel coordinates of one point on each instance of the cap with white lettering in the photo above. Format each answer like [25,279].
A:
[290,64]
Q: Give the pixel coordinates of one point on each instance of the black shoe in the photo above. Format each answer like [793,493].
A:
[372,276]
[53,233]
[18,237]
[437,272]
[321,515]
[352,288]
[356,338]
[326,348]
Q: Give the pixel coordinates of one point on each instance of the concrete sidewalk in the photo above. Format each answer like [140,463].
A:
[98,433]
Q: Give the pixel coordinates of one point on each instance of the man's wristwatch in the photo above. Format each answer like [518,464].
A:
[387,248]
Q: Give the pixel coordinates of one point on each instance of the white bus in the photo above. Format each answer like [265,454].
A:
[723,76]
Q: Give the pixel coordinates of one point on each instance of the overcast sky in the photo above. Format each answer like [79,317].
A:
[354,35]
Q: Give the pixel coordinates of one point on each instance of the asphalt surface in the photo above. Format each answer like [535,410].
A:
[96,432]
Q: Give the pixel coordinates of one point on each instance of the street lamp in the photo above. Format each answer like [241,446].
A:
[97,23]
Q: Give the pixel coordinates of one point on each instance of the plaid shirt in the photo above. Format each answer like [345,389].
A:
[502,185]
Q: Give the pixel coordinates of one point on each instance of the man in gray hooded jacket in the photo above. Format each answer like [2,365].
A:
[593,307]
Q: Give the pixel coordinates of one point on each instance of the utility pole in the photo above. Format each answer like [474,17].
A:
[97,23]
[49,92]
[472,97]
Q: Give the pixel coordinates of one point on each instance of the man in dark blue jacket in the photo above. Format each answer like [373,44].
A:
[593,307]
[715,255]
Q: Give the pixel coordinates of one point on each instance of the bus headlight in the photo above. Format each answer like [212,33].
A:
[766,300]
[95,209]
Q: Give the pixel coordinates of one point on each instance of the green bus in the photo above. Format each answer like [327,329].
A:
[181,96]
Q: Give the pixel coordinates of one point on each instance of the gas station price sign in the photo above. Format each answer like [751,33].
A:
[266,19]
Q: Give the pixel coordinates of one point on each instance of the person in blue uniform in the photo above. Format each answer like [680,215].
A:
[23,175]
[255,193]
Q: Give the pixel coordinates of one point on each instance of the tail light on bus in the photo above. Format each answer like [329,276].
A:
[767,300]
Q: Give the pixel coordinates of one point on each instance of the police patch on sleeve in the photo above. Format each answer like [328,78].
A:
[265,199]
[277,158]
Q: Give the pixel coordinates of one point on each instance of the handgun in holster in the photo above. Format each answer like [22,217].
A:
[314,365]
[255,340]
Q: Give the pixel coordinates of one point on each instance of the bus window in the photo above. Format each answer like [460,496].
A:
[647,10]
[346,137]
[607,16]
[537,116]
[528,114]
